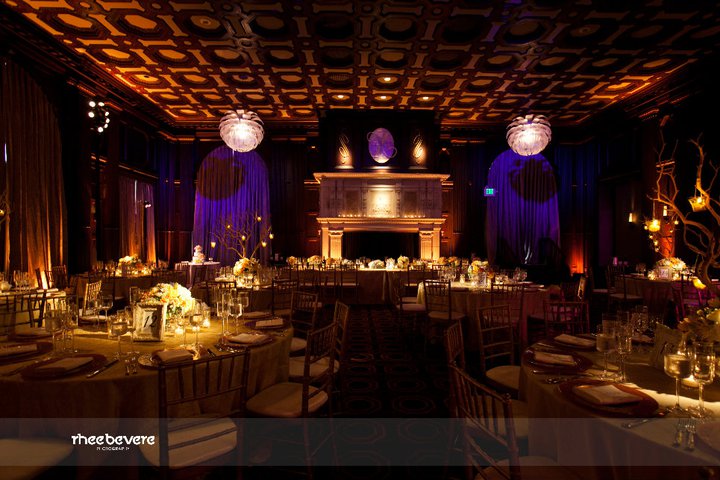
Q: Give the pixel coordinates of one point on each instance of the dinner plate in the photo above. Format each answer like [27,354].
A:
[42,348]
[149,360]
[30,335]
[562,344]
[581,363]
[256,315]
[646,406]
[35,371]
[253,324]
[233,346]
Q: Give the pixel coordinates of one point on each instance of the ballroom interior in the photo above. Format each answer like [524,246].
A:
[381,146]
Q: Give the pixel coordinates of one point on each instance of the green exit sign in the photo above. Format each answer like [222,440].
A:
[489,191]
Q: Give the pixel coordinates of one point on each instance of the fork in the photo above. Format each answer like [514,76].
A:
[690,439]
[679,432]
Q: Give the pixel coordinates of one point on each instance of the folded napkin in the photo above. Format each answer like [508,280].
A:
[65,364]
[555,359]
[573,340]
[17,349]
[273,322]
[251,315]
[173,356]
[605,395]
[247,338]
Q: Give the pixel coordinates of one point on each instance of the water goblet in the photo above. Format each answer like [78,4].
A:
[244,300]
[235,311]
[71,323]
[54,325]
[677,365]
[221,310]
[181,323]
[118,328]
[106,303]
[196,319]
[703,370]
[623,345]
[130,319]
[605,343]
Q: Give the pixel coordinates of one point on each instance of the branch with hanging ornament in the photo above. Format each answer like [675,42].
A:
[238,235]
[701,225]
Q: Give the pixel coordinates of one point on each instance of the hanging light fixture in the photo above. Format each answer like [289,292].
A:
[99,114]
[529,135]
[241,130]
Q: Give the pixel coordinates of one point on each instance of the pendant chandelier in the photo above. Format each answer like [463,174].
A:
[241,130]
[528,135]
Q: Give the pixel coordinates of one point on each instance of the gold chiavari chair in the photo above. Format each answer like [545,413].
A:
[496,342]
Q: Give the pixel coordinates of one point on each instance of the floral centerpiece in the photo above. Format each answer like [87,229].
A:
[334,261]
[130,264]
[402,262]
[477,266]
[669,268]
[292,261]
[245,265]
[442,261]
[376,264]
[315,260]
[132,261]
[703,324]
[453,261]
[179,300]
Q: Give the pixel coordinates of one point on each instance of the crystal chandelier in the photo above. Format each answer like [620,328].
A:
[241,130]
[528,135]
[100,116]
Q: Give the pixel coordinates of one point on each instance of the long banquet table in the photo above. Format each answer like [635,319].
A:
[595,443]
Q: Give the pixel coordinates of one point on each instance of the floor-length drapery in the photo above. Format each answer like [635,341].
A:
[33,178]
[137,218]
[524,209]
[232,189]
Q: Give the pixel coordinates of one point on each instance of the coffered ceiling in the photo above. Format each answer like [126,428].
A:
[473,62]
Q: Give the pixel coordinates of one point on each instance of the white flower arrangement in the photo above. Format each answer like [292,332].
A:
[402,262]
[179,300]
[244,265]
[376,264]
[315,260]
[477,266]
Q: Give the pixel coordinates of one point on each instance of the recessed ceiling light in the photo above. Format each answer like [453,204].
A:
[425,98]
[387,79]
[383,97]
[340,96]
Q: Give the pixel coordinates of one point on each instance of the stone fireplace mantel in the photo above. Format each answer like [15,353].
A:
[390,202]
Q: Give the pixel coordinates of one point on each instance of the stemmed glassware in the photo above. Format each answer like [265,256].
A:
[196,319]
[130,319]
[605,343]
[235,310]
[678,365]
[54,325]
[118,328]
[106,303]
[71,323]
[623,345]
[244,301]
[222,312]
[703,370]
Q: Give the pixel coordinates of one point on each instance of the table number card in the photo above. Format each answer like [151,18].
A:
[149,322]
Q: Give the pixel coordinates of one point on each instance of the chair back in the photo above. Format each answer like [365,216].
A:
[512,295]
[58,277]
[281,291]
[39,278]
[614,277]
[488,426]
[303,312]
[565,317]
[8,314]
[340,318]
[217,384]
[320,345]
[437,296]
[92,293]
[496,338]
[454,345]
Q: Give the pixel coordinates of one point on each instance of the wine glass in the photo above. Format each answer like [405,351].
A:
[71,323]
[54,325]
[196,319]
[703,370]
[181,325]
[118,328]
[678,366]
[106,303]
[623,345]
[605,343]
[235,310]
[244,300]
[222,312]
[130,319]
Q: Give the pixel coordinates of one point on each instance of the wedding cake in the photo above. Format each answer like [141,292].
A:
[198,255]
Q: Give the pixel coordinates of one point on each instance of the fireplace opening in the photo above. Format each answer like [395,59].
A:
[378,245]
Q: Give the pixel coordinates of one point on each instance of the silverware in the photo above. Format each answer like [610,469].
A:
[21,368]
[679,433]
[212,354]
[690,438]
[102,369]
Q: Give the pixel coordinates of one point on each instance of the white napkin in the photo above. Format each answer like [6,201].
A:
[174,356]
[17,349]
[65,364]
[274,322]
[605,395]
[573,340]
[247,338]
[251,315]
[555,359]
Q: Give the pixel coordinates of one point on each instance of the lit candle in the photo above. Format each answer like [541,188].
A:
[206,323]
[179,330]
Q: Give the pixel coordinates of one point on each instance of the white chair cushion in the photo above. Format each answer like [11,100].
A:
[507,376]
[409,299]
[297,344]
[297,367]
[29,457]
[214,438]
[284,400]
[444,315]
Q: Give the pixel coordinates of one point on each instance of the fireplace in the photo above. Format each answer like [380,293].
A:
[380,202]
[379,245]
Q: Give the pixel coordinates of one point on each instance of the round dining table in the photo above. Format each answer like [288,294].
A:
[594,439]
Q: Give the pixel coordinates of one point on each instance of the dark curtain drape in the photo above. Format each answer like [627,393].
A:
[137,223]
[232,187]
[35,219]
[524,209]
